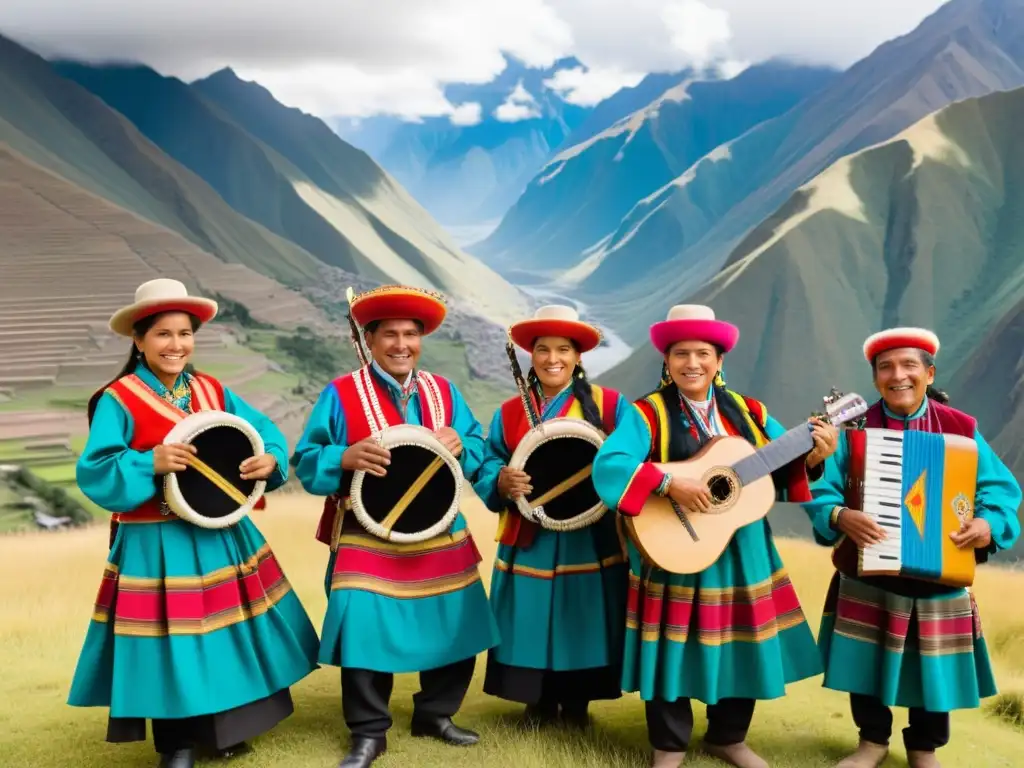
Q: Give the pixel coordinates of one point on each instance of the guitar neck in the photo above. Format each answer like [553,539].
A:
[777,454]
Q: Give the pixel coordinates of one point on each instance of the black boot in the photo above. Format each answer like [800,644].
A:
[574,714]
[541,713]
[444,729]
[179,758]
[364,750]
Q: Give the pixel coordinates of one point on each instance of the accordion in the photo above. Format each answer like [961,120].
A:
[919,487]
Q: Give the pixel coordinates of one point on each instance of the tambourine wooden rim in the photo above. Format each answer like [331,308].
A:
[185,431]
[393,437]
[563,428]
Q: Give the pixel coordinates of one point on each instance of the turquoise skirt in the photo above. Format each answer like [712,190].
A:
[735,630]
[191,621]
[560,603]
[907,652]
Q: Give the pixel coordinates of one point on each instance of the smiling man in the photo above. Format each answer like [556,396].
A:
[897,641]
[395,608]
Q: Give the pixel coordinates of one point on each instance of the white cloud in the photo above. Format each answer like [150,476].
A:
[520,105]
[696,30]
[586,87]
[469,113]
[364,57]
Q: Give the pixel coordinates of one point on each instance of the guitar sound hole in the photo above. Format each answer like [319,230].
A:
[721,488]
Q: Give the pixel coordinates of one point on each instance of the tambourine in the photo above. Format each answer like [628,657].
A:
[211,493]
[419,496]
[558,456]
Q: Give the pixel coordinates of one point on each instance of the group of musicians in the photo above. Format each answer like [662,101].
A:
[198,630]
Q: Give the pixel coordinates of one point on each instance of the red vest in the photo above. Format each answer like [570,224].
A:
[153,417]
[361,394]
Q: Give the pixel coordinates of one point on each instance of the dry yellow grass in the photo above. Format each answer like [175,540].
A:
[48,583]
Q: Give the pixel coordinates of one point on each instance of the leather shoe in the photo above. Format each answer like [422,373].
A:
[179,758]
[444,729]
[364,750]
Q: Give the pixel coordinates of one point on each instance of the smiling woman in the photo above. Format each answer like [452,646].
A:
[151,651]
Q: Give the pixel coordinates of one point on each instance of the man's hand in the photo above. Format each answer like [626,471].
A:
[258,467]
[366,455]
[860,528]
[513,482]
[172,458]
[976,533]
[450,439]
[690,495]
[826,440]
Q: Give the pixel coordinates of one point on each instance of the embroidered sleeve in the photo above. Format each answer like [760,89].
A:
[623,476]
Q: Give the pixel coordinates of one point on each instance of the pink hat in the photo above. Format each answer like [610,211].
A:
[897,338]
[693,322]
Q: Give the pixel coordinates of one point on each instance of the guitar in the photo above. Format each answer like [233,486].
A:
[742,492]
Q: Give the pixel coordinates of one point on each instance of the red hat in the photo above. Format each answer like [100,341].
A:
[897,338]
[555,320]
[400,302]
[693,322]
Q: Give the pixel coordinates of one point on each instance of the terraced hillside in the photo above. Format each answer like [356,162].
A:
[70,258]
[924,229]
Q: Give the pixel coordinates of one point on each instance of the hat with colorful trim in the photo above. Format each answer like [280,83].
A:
[899,338]
[400,302]
[555,320]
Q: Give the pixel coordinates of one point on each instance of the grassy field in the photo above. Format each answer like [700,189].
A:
[48,583]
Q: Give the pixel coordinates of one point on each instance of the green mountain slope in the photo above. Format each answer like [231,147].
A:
[63,127]
[924,229]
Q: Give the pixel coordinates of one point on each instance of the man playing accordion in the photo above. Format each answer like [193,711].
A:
[394,607]
[559,595]
[894,639]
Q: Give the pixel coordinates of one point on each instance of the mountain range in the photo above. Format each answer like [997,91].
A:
[674,238]
[923,229]
[234,171]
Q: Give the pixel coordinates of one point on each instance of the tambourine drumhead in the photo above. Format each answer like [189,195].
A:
[419,496]
[557,455]
[213,494]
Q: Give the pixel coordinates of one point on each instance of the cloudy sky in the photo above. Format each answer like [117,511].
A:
[366,57]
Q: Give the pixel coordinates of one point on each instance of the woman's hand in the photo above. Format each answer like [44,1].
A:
[172,458]
[826,440]
[258,467]
[513,482]
[690,495]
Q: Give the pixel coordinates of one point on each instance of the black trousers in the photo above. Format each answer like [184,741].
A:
[927,731]
[211,732]
[365,695]
[670,723]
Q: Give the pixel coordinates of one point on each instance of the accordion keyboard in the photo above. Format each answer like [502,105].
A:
[883,500]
